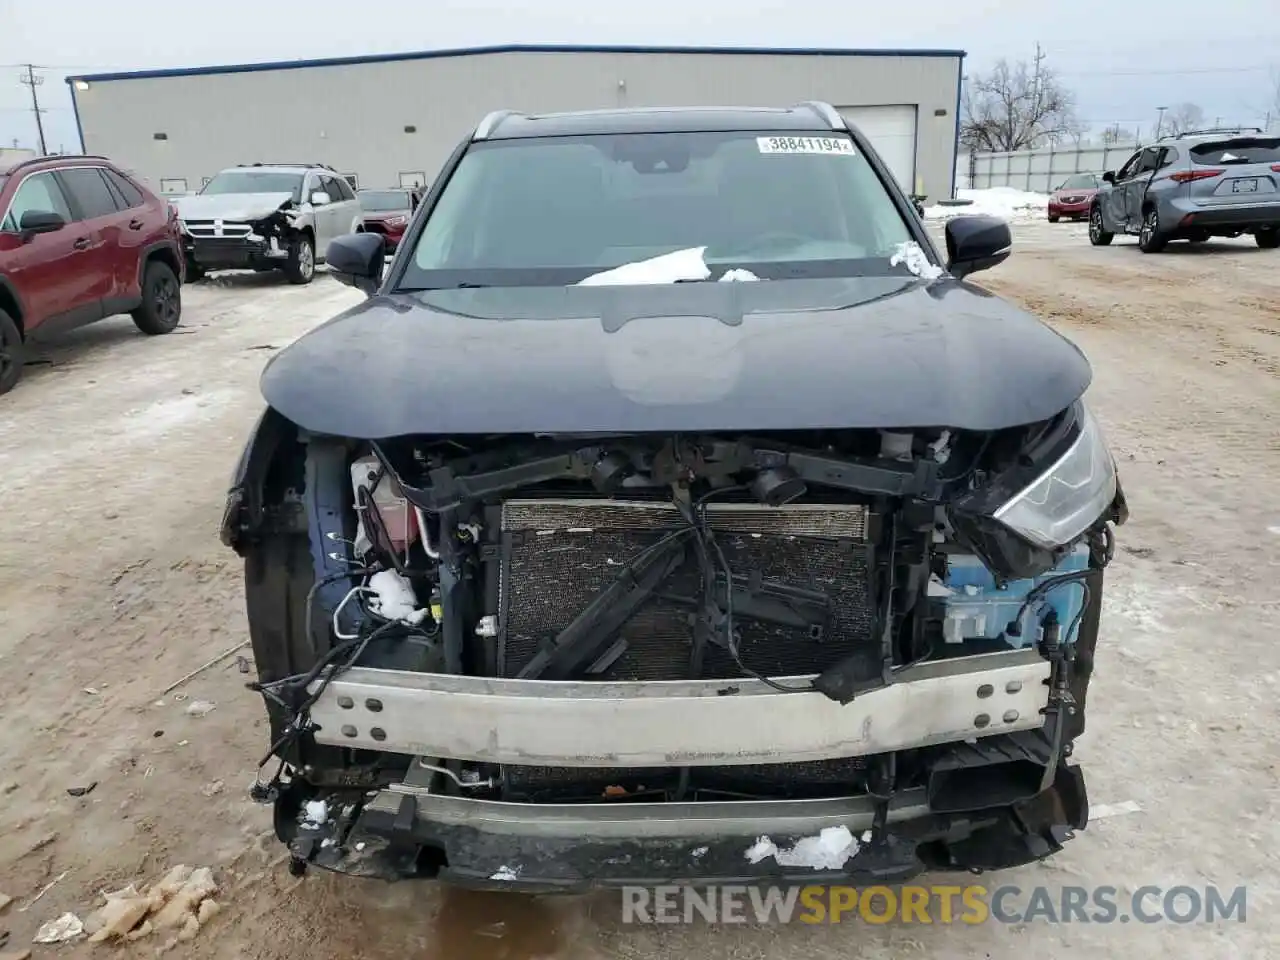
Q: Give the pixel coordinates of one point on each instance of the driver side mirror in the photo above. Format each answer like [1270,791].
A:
[976,243]
[357,259]
[1109,177]
[319,198]
[40,221]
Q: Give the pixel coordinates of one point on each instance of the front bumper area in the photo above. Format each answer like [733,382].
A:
[234,253]
[678,722]
[409,833]
[1080,210]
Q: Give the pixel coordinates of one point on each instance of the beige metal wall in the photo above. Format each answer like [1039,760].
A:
[353,116]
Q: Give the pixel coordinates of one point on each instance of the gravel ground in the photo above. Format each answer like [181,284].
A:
[114,454]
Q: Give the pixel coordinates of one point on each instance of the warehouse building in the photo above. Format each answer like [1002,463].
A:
[394,119]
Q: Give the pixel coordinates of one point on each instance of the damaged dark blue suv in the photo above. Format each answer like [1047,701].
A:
[669,502]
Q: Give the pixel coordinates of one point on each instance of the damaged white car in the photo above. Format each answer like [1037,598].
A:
[266,217]
[569,563]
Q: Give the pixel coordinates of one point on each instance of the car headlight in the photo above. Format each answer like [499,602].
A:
[1069,497]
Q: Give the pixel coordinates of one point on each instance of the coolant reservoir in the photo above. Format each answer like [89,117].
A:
[396,512]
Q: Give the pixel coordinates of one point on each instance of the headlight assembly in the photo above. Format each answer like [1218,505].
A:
[1069,497]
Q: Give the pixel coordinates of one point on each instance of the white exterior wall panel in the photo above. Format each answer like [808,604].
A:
[353,116]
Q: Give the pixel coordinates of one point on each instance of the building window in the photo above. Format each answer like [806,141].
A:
[173,185]
[410,128]
[159,136]
[414,178]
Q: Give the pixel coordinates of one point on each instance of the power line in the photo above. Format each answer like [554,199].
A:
[33,80]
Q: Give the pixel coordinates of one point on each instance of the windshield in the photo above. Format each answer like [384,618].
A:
[553,211]
[1081,181]
[379,200]
[255,181]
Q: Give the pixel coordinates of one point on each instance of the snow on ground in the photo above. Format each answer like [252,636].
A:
[1006,202]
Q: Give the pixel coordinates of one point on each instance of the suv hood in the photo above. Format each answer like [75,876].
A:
[230,206]
[774,355]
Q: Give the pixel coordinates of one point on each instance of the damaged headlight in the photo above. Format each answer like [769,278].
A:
[1069,497]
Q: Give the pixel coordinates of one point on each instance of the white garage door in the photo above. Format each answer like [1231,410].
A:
[892,131]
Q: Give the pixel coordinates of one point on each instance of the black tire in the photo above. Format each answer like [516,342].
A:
[161,308]
[195,272]
[10,353]
[1097,235]
[1151,240]
[1268,239]
[1053,218]
[301,265]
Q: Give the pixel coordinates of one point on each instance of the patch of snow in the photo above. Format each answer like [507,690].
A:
[315,813]
[393,598]
[668,268]
[738,275]
[827,851]
[912,255]
[1103,810]
[506,873]
[699,852]
[1275,530]
[66,927]
[1008,203]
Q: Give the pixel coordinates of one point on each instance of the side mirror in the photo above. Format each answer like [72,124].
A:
[976,243]
[356,259]
[1109,177]
[320,198]
[40,221]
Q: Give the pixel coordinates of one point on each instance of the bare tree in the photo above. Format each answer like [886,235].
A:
[1118,134]
[1183,117]
[1013,107]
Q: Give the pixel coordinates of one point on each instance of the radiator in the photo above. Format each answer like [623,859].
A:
[558,554]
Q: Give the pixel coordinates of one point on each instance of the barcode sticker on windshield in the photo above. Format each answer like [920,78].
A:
[805,145]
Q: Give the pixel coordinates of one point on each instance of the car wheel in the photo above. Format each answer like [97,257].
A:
[1053,218]
[1268,239]
[1200,236]
[1149,239]
[10,353]
[302,260]
[161,300]
[195,272]
[1097,235]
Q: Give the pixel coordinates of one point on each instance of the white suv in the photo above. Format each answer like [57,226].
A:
[267,216]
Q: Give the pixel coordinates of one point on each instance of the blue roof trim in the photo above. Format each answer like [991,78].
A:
[505,48]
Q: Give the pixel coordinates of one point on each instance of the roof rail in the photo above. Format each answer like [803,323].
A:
[490,123]
[55,156]
[259,163]
[829,114]
[1210,132]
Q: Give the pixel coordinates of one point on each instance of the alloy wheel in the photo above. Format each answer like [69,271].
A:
[165,295]
[306,260]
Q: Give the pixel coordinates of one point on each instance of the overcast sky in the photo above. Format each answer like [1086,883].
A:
[1122,60]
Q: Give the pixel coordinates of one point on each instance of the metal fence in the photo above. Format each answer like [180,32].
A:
[1039,171]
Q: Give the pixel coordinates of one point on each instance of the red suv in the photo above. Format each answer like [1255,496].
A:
[80,240]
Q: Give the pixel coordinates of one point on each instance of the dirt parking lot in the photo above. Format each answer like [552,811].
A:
[114,456]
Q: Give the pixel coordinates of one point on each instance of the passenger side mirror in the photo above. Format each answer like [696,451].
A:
[320,198]
[40,221]
[357,259]
[1109,177]
[976,243]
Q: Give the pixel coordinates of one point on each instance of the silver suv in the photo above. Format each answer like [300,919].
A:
[267,216]
[1201,184]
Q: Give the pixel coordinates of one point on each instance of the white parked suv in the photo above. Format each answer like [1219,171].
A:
[267,216]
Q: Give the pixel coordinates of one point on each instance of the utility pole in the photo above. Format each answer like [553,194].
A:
[1035,86]
[32,80]
[1160,121]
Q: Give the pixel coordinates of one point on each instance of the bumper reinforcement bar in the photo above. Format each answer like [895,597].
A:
[677,722]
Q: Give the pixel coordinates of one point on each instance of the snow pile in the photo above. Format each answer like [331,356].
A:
[1004,202]
[668,268]
[916,260]
[177,905]
[827,851]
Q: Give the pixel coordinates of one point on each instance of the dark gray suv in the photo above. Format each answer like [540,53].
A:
[1202,184]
